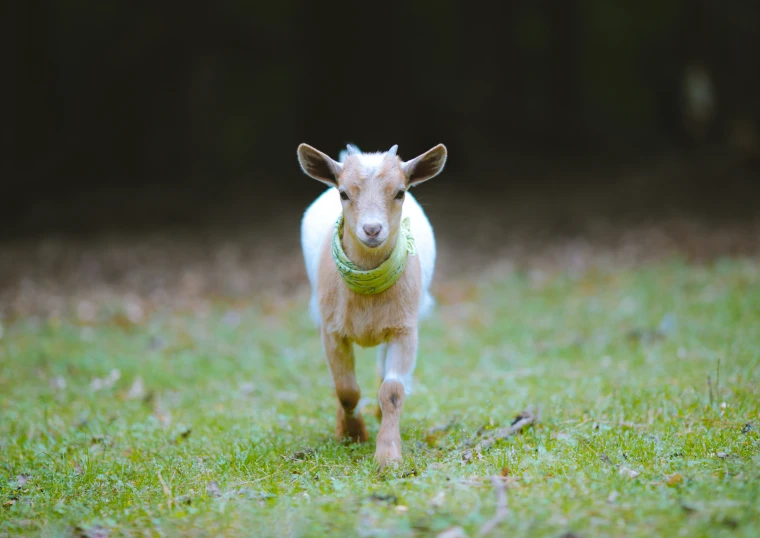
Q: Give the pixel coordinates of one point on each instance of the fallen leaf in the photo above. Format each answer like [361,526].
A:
[438,499]
[137,390]
[674,479]
[134,309]
[106,382]
[246,389]
[722,455]
[384,498]
[58,383]
[162,414]
[156,343]
[627,471]
[96,531]
[120,320]
[212,488]
[286,396]
[301,454]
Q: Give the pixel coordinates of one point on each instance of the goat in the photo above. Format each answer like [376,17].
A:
[369,252]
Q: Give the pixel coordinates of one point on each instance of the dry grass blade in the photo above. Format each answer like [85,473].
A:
[453,532]
[167,491]
[502,509]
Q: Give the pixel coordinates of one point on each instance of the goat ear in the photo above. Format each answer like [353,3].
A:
[425,166]
[318,165]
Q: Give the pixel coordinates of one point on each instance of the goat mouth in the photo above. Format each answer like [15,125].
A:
[373,243]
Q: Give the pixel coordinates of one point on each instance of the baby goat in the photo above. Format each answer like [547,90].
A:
[370,253]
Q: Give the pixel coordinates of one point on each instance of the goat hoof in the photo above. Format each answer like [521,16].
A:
[388,453]
[351,429]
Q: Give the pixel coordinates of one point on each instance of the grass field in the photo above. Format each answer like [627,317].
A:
[116,420]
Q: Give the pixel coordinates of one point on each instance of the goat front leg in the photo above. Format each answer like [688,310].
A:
[340,358]
[399,366]
[382,353]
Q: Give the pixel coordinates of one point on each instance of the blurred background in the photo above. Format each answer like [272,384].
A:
[151,148]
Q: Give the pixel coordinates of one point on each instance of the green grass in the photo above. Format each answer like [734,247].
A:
[233,435]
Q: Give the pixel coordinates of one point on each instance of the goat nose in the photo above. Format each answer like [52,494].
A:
[372,229]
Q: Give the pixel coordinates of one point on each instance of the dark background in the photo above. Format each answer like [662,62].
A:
[142,115]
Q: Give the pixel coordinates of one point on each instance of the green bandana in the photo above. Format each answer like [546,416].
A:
[384,275]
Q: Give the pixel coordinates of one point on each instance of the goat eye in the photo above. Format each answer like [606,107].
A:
[343,195]
[400,195]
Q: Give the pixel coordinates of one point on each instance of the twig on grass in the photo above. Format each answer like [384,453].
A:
[523,420]
[441,428]
[502,508]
